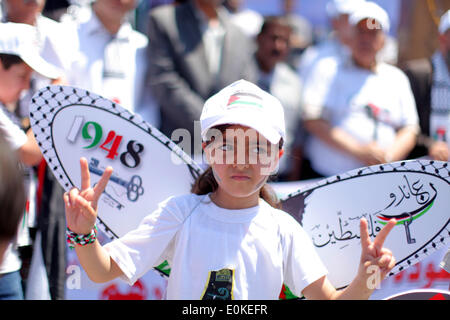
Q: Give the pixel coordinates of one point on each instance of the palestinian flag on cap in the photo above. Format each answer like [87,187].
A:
[248,99]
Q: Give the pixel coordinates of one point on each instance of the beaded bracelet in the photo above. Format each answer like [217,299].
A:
[81,239]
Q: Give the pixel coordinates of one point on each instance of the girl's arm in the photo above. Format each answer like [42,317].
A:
[81,215]
[25,144]
[29,153]
[375,264]
[97,263]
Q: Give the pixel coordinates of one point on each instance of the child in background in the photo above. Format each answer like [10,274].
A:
[19,57]
[226,240]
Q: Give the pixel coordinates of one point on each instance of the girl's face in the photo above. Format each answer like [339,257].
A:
[241,160]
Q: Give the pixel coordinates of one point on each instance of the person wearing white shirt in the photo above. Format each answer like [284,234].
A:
[336,46]
[227,240]
[19,57]
[51,37]
[363,112]
[111,56]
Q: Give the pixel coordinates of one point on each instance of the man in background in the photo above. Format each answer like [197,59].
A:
[363,113]
[430,82]
[277,77]
[195,50]
[111,57]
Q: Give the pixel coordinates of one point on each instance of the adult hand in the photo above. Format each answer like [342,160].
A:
[439,151]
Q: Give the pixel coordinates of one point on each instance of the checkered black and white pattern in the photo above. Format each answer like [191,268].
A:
[49,101]
[438,169]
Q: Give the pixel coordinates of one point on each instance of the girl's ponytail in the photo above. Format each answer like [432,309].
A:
[205,183]
[268,195]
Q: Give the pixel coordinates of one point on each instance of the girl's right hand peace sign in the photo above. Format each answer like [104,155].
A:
[81,205]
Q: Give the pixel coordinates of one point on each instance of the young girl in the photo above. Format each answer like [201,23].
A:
[224,241]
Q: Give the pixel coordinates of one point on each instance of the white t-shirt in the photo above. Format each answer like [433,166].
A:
[370,106]
[113,66]
[13,135]
[247,254]
[330,49]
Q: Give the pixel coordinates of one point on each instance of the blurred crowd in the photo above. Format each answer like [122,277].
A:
[358,96]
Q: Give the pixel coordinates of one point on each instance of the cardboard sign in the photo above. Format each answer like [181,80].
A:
[415,192]
[70,123]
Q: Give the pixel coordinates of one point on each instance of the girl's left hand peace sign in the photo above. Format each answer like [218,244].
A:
[372,252]
[374,257]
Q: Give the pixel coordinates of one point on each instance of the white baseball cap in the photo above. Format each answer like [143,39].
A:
[335,8]
[21,40]
[370,10]
[444,24]
[244,103]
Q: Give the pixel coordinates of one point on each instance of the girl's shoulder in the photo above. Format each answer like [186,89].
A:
[281,217]
[183,201]
[181,205]
[289,229]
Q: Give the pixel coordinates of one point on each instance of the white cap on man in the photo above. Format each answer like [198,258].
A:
[337,7]
[444,24]
[374,13]
[244,103]
[21,40]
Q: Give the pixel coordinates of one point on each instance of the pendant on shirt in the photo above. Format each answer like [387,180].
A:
[219,285]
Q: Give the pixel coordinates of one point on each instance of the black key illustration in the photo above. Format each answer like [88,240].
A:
[134,186]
